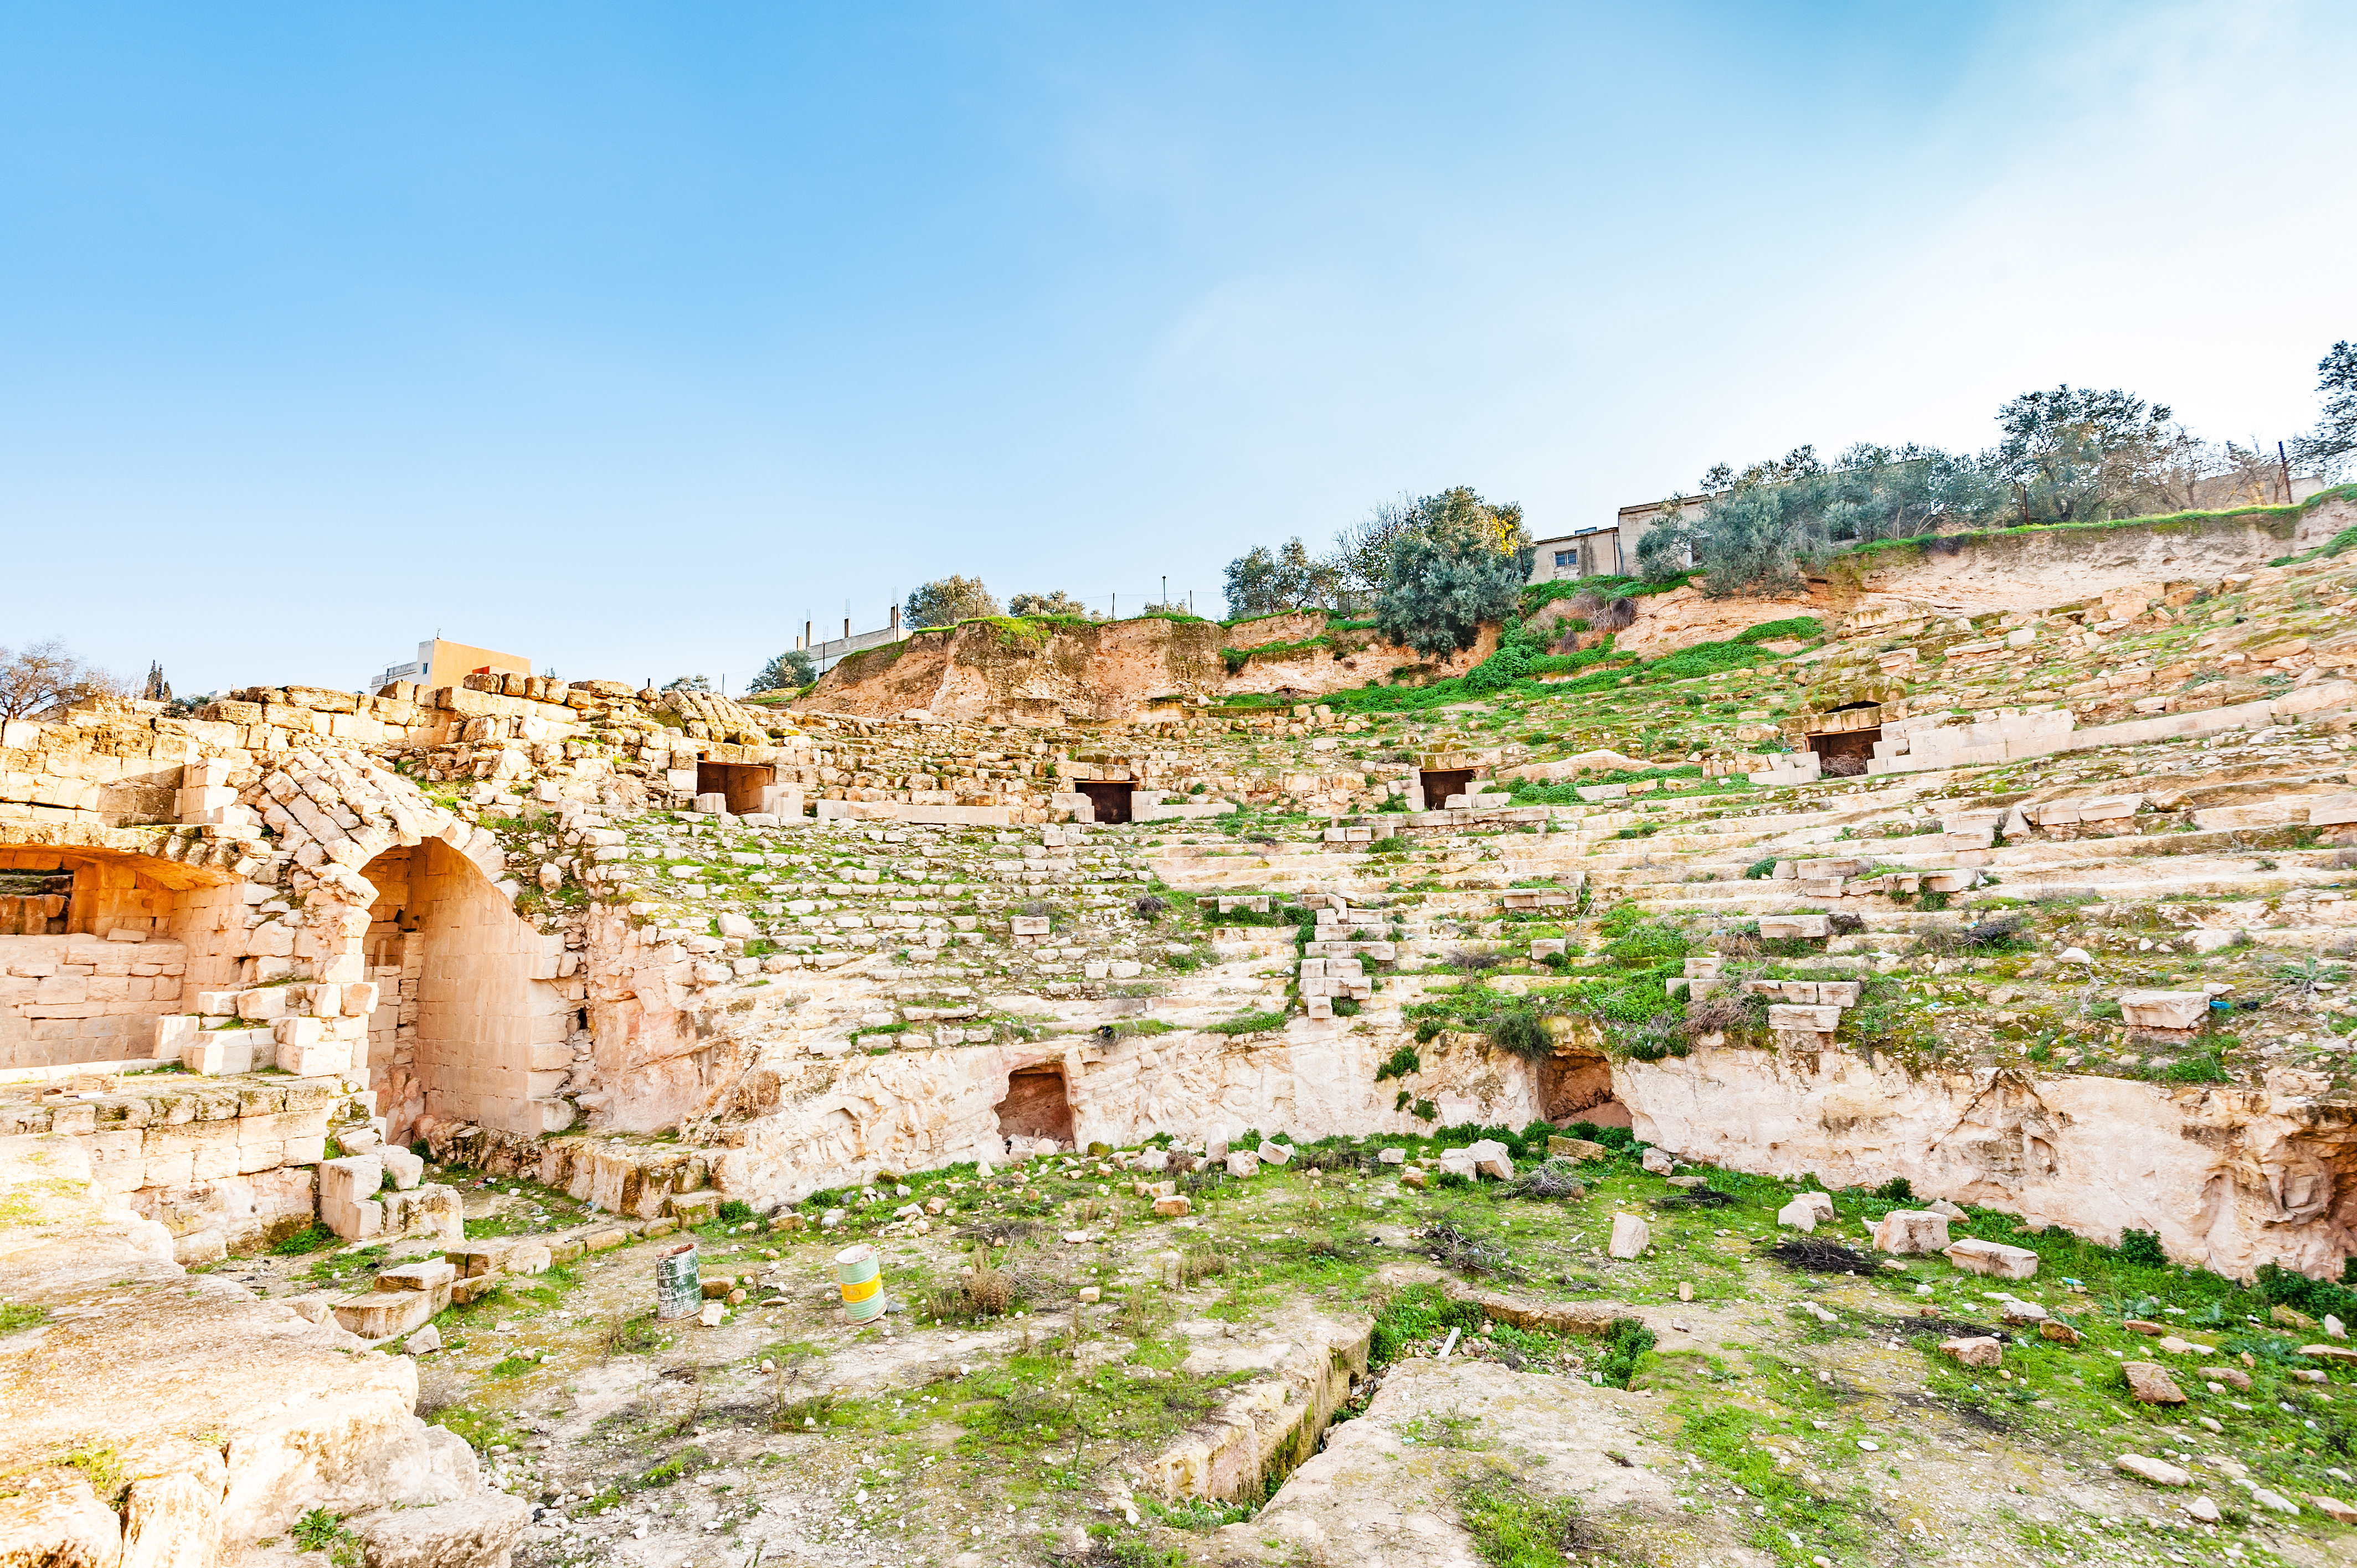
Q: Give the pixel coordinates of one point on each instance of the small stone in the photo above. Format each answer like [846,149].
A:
[1275,1153]
[2341,1353]
[425,1341]
[2160,1472]
[2059,1332]
[2333,1508]
[1174,1205]
[1243,1163]
[1685,1290]
[1392,1157]
[2151,1383]
[2272,1499]
[2202,1509]
[1659,1162]
[2334,1328]
[2291,1317]
[713,1315]
[1978,1350]
[1412,1178]
[1798,1215]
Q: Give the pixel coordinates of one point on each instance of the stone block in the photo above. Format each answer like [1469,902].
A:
[1799,1214]
[1577,1148]
[1273,1154]
[2164,1009]
[348,1190]
[1242,1163]
[1659,1162]
[1781,927]
[1995,1259]
[1489,1158]
[2151,1384]
[1977,1350]
[405,1168]
[2160,1472]
[1821,1020]
[1909,1230]
[1631,1237]
[1175,1205]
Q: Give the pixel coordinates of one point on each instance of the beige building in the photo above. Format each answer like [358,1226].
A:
[440,663]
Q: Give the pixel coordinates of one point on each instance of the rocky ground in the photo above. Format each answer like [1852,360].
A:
[1769,1415]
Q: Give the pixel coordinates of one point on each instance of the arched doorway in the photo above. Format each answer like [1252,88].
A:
[467,1029]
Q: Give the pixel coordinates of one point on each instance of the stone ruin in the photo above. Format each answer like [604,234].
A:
[262,968]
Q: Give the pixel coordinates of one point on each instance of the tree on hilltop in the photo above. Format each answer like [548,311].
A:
[2332,445]
[1453,562]
[949,600]
[1263,582]
[1058,603]
[43,676]
[789,671]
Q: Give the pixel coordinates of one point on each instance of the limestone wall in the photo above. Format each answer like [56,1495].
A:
[2229,1179]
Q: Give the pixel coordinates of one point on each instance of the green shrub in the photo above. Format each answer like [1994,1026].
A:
[1625,1351]
[2142,1248]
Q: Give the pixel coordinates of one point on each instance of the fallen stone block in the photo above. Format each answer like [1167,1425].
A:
[1911,1230]
[1275,1153]
[1799,1214]
[2333,1509]
[1659,1162]
[2160,1472]
[1578,1149]
[2150,1383]
[1242,1163]
[1979,1350]
[2164,1009]
[1631,1236]
[1173,1205]
[1490,1159]
[1994,1258]
[2021,1312]
[480,1532]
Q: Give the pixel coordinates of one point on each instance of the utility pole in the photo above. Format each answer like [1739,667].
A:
[1165,590]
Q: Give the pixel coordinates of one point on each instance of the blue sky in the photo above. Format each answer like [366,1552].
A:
[627,337]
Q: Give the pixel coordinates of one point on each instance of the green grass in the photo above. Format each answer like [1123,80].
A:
[480,1428]
[313,1238]
[1513,1529]
[17,1315]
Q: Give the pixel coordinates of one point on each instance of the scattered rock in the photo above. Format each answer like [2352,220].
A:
[2160,1472]
[2333,1508]
[2201,1509]
[425,1341]
[1909,1230]
[1994,1258]
[1659,1162]
[1979,1350]
[2151,1383]
[1631,1236]
[2059,1332]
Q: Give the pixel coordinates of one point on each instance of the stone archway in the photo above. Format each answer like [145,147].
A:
[468,1027]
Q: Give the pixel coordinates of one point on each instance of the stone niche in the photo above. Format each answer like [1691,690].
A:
[471,1024]
[126,941]
[1038,1106]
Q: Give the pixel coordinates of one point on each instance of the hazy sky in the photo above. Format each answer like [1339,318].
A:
[625,337]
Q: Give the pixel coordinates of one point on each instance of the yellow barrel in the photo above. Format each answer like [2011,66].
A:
[859,1272]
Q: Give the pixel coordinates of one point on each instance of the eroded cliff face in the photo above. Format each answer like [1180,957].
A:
[2227,1178]
[790,1127]
[1047,673]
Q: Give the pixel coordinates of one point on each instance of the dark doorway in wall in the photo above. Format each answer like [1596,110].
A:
[1846,754]
[1109,798]
[1580,1089]
[1441,783]
[745,784]
[1037,1105]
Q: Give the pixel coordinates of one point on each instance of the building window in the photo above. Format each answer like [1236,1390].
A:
[1562,557]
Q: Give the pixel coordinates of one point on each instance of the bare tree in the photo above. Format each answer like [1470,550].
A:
[43,676]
